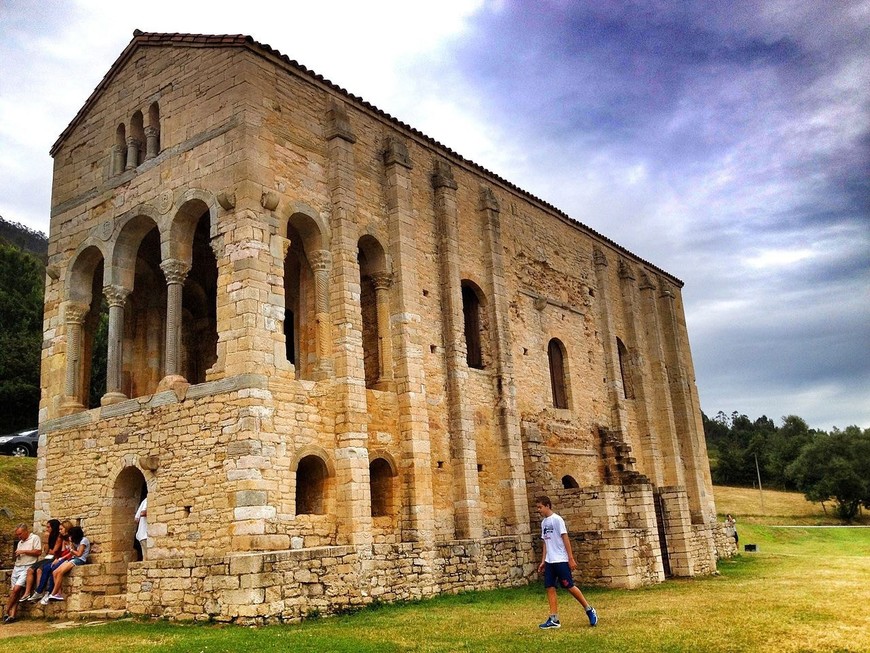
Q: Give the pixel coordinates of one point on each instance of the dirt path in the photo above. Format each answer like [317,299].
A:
[39,626]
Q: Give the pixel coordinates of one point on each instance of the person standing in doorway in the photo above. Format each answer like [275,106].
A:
[141,519]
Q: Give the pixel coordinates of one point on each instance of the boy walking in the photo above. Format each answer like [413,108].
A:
[557,563]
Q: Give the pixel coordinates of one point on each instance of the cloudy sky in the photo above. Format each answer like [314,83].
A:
[727,142]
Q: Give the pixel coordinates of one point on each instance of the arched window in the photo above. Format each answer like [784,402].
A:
[374,309]
[137,136]
[558,378]
[199,304]
[311,476]
[624,370]
[302,300]
[381,479]
[471,314]
[569,483]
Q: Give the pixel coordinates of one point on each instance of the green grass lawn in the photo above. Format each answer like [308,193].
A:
[807,589]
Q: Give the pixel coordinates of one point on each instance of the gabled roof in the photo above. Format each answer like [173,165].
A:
[173,39]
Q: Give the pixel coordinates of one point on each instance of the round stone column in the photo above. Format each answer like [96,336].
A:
[175,272]
[133,145]
[116,297]
[74,317]
[321,263]
[382,282]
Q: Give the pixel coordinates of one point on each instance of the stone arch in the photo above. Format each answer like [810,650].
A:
[135,140]
[382,478]
[138,291]
[191,204]
[306,273]
[122,258]
[374,309]
[80,271]
[557,357]
[476,325]
[570,483]
[124,496]
[189,264]
[86,319]
[313,480]
[307,222]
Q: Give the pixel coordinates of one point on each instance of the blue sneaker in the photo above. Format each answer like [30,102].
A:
[593,616]
[550,623]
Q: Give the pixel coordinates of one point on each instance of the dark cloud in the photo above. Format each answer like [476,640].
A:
[735,137]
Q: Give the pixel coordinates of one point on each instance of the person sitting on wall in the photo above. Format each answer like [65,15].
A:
[52,543]
[61,550]
[27,552]
[81,549]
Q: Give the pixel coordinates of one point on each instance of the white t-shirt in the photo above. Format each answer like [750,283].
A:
[142,520]
[552,529]
[31,543]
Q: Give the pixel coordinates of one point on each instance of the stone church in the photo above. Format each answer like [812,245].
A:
[339,358]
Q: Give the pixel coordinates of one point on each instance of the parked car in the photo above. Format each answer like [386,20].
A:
[21,443]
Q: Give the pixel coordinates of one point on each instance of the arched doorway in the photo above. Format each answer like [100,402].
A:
[127,493]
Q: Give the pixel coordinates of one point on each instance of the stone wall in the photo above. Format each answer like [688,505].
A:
[290,585]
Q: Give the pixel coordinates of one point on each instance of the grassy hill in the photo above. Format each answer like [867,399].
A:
[17,486]
[778,508]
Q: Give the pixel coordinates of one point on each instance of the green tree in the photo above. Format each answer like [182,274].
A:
[21,306]
[836,466]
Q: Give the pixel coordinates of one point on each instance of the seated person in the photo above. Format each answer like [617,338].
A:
[80,549]
[49,540]
[58,538]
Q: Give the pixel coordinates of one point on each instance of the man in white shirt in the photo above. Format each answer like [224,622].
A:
[27,552]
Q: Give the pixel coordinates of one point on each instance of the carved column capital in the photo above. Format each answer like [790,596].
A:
[320,260]
[382,280]
[442,177]
[175,270]
[132,141]
[151,132]
[115,295]
[75,312]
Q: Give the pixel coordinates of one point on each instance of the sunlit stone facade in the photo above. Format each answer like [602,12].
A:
[341,358]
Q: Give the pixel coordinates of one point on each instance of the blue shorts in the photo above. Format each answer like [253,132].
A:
[558,574]
[78,562]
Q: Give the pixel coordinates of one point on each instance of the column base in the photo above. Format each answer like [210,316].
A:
[113,398]
[70,407]
[174,382]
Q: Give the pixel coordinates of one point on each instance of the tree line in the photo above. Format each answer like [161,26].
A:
[825,466]
[23,253]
